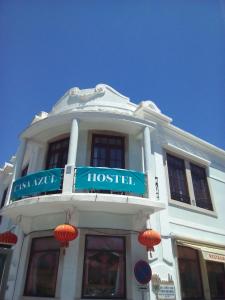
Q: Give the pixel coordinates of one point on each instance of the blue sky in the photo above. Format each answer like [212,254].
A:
[172,52]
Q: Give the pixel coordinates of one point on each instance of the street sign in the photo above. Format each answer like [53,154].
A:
[142,272]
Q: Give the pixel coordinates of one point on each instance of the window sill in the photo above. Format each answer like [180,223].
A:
[193,208]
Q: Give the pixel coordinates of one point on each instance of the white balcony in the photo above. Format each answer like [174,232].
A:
[55,191]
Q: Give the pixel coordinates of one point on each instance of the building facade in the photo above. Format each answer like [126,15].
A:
[112,168]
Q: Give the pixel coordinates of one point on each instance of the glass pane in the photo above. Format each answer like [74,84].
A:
[2,266]
[201,189]
[43,268]
[115,141]
[100,140]
[99,152]
[177,179]
[109,151]
[216,276]
[115,154]
[190,276]
[104,268]
[47,243]
[42,274]
[105,243]
[57,154]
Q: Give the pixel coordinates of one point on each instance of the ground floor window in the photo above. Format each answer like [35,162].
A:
[42,268]
[192,280]
[190,275]
[216,276]
[104,267]
[3,257]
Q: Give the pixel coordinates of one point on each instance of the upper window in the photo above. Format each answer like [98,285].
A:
[24,171]
[107,151]
[42,268]
[104,268]
[4,197]
[57,154]
[178,180]
[188,182]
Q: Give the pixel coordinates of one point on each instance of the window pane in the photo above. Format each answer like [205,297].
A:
[105,243]
[216,276]
[47,243]
[104,268]
[201,189]
[57,154]
[107,151]
[177,179]
[4,198]
[190,275]
[24,171]
[43,268]
[2,266]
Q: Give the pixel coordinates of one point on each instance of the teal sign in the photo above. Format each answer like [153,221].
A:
[43,181]
[90,178]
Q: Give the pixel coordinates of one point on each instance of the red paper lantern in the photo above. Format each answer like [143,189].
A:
[8,238]
[65,233]
[149,238]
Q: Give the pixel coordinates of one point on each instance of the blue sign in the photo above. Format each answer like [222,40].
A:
[43,181]
[142,272]
[90,178]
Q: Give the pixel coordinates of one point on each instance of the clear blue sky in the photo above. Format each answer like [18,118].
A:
[169,51]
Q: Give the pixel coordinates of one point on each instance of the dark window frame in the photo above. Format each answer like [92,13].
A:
[207,204]
[176,164]
[222,265]
[24,170]
[124,261]
[61,152]
[32,253]
[199,271]
[4,196]
[200,184]
[107,146]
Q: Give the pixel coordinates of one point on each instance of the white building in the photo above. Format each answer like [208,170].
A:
[146,173]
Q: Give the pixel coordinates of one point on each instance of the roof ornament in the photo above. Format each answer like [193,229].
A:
[87,94]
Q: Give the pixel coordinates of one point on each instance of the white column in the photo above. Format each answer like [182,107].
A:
[69,282]
[149,163]
[19,158]
[72,155]
[17,167]
[71,161]
[147,148]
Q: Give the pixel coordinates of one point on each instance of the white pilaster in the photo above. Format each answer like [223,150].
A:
[19,158]
[149,163]
[72,154]
[34,161]
[70,270]
[71,161]
[17,167]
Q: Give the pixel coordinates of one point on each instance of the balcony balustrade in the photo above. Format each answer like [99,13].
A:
[86,180]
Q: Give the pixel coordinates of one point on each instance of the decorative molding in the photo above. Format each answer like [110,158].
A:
[195,141]
[217,178]
[87,94]
[186,154]
[195,226]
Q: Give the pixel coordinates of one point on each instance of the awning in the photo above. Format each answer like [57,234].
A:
[209,253]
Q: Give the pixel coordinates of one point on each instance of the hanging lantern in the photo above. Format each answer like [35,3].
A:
[65,233]
[8,238]
[149,238]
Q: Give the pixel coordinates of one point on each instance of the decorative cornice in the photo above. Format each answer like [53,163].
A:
[87,94]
